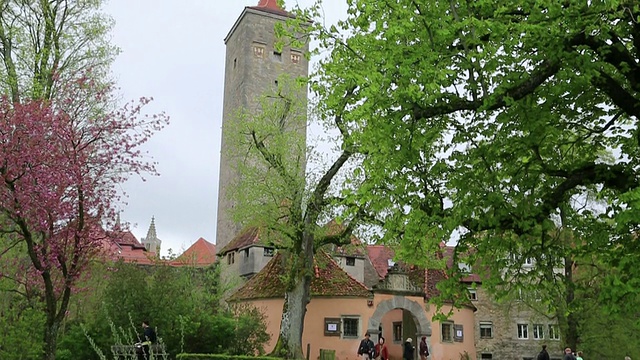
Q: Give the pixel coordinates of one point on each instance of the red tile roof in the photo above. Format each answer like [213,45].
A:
[247,237]
[380,256]
[329,280]
[270,6]
[201,253]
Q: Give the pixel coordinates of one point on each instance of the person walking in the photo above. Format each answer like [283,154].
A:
[543,355]
[579,355]
[424,348]
[366,347]
[381,349]
[409,350]
[568,355]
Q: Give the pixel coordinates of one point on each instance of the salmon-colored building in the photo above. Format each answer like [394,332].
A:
[354,290]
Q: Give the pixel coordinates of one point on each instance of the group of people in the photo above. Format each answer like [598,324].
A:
[370,351]
[568,354]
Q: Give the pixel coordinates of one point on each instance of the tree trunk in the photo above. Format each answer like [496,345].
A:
[50,338]
[297,296]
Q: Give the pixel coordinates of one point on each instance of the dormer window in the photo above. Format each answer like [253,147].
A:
[268,252]
[351,261]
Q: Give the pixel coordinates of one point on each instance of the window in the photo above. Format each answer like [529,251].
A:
[295,57]
[277,56]
[268,252]
[554,332]
[486,357]
[486,329]
[458,334]
[528,262]
[331,326]
[473,294]
[231,258]
[397,331]
[523,331]
[538,331]
[350,327]
[447,331]
[246,253]
[258,50]
[351,261]
[464,267]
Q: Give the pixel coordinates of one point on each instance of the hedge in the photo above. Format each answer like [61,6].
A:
[222,357]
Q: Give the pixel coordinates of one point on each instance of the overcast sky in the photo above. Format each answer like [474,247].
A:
[173,51]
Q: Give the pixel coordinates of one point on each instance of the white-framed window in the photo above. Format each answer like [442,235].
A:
[351,326]
[446,328]
[554,332]
[523,331]
[486,329]
[528,262]
[473,294]
[538,331]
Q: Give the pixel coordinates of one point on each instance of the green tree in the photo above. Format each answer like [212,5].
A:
[45,44]
[274,194]
[509,126]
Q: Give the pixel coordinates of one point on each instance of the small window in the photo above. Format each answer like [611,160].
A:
[447,331]
[458,334]
[246,253]
[486,357]
[538,331]
[277,56]
[295,57]
[331,326]
[397,331]
[523,331]
[351,261]
[350,326]
[235,63]
[231,258]
[486,330]
[268,252]
[554,332]
[258,50]
[473,294]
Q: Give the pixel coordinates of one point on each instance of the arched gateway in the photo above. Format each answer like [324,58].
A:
[400,302]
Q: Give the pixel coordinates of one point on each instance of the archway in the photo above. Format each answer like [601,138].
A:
[400,302]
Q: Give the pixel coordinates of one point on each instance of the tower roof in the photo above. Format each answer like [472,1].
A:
[151,233]
[270,6]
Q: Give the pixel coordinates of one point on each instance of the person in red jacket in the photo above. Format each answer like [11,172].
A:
[381,349]
[424,349]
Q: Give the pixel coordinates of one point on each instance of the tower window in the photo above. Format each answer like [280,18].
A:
[277,56]
[235,63]
[258,50]
[295,57]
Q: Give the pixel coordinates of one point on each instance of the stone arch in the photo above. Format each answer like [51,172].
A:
[400,302]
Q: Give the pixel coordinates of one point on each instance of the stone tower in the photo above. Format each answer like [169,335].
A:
[252,68]
[151,241]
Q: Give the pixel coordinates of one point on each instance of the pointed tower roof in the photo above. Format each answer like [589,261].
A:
[270,6]
[151,233]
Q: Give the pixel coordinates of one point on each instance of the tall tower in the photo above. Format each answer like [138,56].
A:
[252,68]
[151,241]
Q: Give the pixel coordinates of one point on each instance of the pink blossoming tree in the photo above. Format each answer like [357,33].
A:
[61,165]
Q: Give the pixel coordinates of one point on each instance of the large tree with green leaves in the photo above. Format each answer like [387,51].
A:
[276,194]
[510,126]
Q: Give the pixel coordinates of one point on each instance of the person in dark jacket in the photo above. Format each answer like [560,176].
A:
[424,348]
[543,355]
[409,350]
[366,347]
[568,355]
[148,338]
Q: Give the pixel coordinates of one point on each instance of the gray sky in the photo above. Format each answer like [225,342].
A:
[174,51]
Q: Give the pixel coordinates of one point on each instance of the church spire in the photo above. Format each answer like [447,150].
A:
[151,234]
[270,4]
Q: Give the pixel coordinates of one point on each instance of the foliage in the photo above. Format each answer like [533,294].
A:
[509,127]
[181,303]
[47,44]
[273,194]
[222,357]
